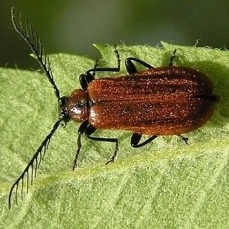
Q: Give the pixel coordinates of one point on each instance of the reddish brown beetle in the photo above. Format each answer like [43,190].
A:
[157,101]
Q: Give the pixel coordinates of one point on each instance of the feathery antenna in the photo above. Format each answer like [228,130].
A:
[32,39]
[34,42]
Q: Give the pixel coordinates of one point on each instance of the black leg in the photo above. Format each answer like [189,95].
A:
[130,67]
[90,130]
[135,138]
[95,66]
[81,130]
[115,69]
[184,139]
[86,78]
[172,58]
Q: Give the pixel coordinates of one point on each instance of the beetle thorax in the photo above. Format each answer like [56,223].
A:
[77,105]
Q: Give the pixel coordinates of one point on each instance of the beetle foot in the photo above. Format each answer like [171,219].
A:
[184,139]
[111,160]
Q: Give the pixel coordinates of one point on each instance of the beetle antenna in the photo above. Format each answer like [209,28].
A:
[32,39]
[31,169]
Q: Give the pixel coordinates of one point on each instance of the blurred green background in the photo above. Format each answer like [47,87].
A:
[72,26]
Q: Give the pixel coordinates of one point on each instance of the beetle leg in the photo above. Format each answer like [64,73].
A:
[81,130]
[172,58]
[90,130]
[89,76]
[115,69]
[130,67]
[135,139]
[85,79]
[95,66]
[184,139]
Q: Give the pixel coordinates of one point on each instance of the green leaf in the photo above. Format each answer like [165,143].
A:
[165,184]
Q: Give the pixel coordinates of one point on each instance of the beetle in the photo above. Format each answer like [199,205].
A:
[167,100]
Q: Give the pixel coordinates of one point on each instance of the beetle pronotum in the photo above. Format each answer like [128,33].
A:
[157,101]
